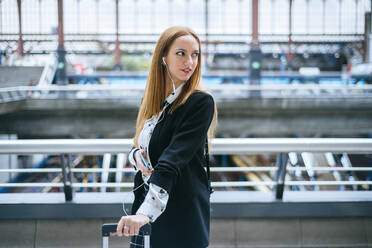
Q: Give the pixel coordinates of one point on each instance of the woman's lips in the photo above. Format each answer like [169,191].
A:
[186,71]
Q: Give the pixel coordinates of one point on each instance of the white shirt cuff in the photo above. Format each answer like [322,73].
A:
[131,158]
[155,202]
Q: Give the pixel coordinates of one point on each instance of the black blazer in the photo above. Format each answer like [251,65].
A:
[176,151]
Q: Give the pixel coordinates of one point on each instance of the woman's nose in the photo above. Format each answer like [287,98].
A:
[188,61]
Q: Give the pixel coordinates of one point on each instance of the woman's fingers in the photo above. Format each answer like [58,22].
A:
[127,228]
[140,165]
[130,225]
[136,229]
[132,230]
[120,227]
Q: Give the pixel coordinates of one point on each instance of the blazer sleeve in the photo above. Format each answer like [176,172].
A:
[188,137]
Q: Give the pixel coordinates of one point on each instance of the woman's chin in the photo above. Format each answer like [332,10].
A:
[184,78]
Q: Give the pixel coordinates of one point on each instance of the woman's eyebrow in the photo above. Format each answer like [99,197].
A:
[182,49]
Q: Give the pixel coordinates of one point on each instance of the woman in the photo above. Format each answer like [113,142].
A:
[171,132]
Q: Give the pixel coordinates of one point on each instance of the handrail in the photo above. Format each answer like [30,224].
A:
[65,146]
[220,146]
[214,184]
[132,91]
[237,87]
[212,169]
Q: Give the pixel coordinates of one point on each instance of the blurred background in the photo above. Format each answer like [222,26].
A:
[328,34]
[261,52]
[291,161]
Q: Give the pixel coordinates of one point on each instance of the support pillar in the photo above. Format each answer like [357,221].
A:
[61,76]
[255,53]
[118,66]
[20,38]
[367,39]
[281,164]
[290,55]
[206,32]
[67,177]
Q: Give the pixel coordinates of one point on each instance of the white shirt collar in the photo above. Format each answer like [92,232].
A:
[172,96]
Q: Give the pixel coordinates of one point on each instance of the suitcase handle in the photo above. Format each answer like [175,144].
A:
[111,227]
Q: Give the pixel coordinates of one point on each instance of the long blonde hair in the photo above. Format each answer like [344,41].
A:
[155,90]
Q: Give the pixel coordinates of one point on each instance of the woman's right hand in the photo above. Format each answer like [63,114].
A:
[140,165]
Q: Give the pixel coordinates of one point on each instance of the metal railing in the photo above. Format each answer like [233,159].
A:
[219,91]
[280,146]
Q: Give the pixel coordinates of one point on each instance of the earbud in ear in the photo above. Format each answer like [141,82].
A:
[164,61]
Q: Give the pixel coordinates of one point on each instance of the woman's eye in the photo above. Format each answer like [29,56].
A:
[195,54]
[180,53]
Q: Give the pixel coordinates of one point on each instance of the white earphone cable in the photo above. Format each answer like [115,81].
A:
[173,84]
[125,212]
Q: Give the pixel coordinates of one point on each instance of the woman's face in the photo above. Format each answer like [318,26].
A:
[182,58]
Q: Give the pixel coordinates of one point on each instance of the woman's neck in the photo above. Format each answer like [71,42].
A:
[169,88]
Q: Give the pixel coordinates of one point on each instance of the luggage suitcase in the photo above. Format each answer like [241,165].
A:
[111,227]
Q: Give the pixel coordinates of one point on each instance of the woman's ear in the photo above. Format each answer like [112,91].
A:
[164,63]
